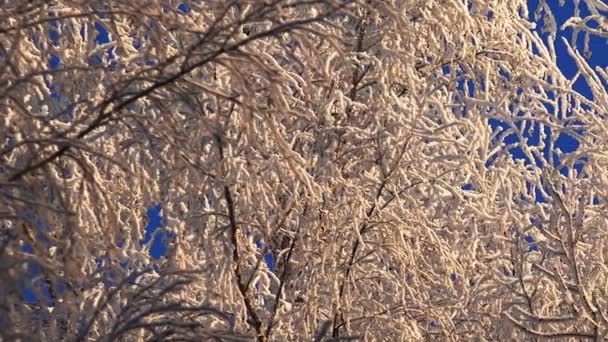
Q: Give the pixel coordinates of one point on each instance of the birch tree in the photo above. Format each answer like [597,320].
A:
[327,171]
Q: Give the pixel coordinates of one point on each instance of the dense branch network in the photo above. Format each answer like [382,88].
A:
[327,170]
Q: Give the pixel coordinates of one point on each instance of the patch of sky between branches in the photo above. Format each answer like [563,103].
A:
[54,29]
[269,257]
[31,287]
[532,246]
[468,187]
[160,238]
[183,7]
[103,36]
[566,143]
[54,62]
[34,278]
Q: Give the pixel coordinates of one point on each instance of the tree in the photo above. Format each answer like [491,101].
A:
[327,170]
